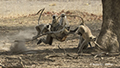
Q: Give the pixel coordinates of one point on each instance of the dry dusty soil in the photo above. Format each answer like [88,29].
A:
[30,55]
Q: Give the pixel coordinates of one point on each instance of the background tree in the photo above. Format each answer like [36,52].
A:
[109,37]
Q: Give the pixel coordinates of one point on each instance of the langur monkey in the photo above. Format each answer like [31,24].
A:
[85,34]
[54,23]
[63,21]
[41,28]
[59,28]
[80,30]
[49,39]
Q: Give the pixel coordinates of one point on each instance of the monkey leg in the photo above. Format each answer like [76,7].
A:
[86,46]
[85,42]
[80,42]
[48,40]
[38,32]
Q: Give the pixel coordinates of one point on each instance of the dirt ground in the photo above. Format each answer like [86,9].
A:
[16,8]
[43,55]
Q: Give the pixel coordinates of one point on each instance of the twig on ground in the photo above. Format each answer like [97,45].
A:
[21,62]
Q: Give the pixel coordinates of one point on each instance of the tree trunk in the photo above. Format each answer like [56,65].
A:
[109,37]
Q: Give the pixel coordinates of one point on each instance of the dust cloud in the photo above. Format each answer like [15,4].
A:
[17,43]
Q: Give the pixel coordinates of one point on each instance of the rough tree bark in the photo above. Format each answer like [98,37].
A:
[109,37]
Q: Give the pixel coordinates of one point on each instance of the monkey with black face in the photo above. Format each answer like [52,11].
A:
[59,29]
[54,23]
[63,21]
[49,39]
[76,31]
[42,28]
[86,35]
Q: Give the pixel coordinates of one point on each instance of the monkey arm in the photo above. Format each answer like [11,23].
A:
[74,30]
[96,44]
[52,32]
[38,30]
[48,40]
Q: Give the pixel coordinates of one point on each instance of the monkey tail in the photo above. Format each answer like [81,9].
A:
[77,16]
[73,16]
[40,14]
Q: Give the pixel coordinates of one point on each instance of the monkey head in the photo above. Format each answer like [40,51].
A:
[46,28]
[92,38]
[63,15]
[54,16]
